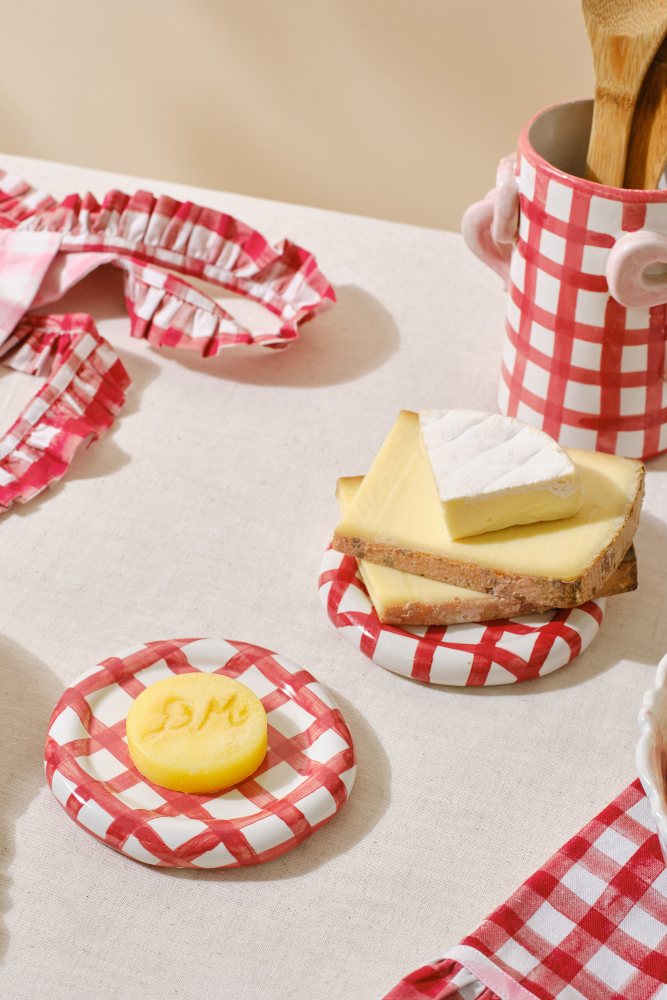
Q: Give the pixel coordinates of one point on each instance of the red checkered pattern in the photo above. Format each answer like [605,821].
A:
[18,201]
[47,248]
[497,652]
[302,783]
[576,363]
[85,388]
[591,924]
[25,259]
[145,231]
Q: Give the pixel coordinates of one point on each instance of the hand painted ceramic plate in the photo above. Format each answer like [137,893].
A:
[471,655]
[302,783]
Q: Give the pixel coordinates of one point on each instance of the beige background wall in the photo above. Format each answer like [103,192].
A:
[391,108]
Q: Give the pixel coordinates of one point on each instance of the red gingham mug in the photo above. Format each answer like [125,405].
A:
[586,270]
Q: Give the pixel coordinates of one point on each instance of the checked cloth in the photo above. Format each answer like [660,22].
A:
[46,248]
[85,388]
[145,235]
[302,783]
[591,924]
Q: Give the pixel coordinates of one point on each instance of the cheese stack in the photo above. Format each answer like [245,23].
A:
[492,512]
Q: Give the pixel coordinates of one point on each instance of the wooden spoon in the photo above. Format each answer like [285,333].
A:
[647,149]
[624,36]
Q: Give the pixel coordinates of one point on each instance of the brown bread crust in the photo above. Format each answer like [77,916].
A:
[622,581]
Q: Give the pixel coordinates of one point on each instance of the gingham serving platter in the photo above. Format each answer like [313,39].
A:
[302,783]
[472,655]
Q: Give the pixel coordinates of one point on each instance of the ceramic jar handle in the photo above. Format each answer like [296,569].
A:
[489,227]
[626,267]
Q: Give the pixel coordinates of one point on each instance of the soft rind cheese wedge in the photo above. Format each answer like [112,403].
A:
[405,599]
[493,471]
[396,520]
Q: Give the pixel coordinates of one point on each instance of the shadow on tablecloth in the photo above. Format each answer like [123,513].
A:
[28,692]
[355,337]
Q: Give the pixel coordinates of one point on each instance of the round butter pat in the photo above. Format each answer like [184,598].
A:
[197,732]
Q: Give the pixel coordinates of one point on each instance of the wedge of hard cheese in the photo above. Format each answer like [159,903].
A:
[404,599]
[493,471]
[396,520]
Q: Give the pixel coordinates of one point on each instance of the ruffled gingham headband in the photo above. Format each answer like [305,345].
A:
[46,248]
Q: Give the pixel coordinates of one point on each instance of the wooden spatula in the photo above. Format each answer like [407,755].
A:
[624,36]
[647,149]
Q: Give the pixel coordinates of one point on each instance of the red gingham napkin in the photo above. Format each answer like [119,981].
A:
[85,389]
[591,924]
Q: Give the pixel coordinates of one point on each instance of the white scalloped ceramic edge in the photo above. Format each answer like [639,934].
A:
[651,752]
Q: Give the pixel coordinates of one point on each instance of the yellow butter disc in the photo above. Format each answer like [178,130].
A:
[197,732]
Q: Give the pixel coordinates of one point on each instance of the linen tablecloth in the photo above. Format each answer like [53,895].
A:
[206,511]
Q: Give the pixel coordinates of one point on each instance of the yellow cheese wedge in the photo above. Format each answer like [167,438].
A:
[197,732]
[405,599]
[396,520]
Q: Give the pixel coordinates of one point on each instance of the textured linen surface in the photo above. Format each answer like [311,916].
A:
[205,511]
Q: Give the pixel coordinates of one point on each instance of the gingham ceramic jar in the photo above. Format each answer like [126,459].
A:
[584,347]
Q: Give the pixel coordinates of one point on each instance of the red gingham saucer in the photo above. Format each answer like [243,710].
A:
[303,781]
[472,655]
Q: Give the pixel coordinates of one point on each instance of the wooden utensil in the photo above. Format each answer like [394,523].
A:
[624,36]
[647,148]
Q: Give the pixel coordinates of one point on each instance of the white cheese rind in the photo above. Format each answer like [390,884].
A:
[477,458]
